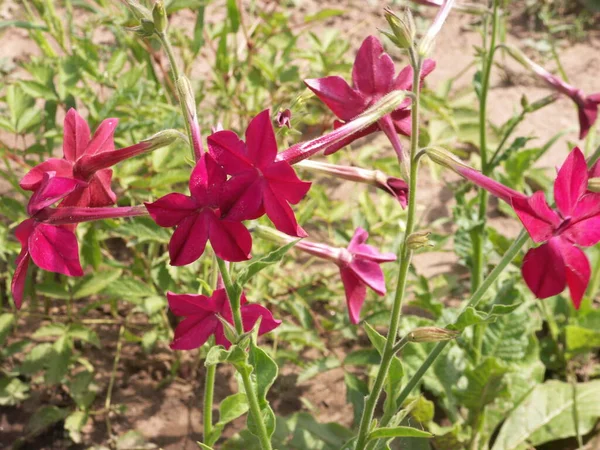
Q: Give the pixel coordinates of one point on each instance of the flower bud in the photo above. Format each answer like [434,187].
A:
[594,184]
[137,9]
[444,158]
[403,28]
[163,138]
[418,239]
[283,118]
[159,15]
[426,44]
[431,334]
[186,95]
[229,330]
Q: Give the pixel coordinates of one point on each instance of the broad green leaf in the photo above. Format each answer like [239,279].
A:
[507,337]
[36,358]
[318,366]
[83,333]
[547,414]
[581,339]
[6,321]
[129,289]
[37,90]
[198,41]
[143,230]
[116,63]
[484,383]
[234,15]
[58,363]
[90,248]
[53,329]
[45,417]
[356,391]
[96,283]
[265,373]
[471,316]
[218,354]
[333,434]
[323,14]
[383,433]
[232,407]
[80,389]
[362,357]
[256,266]
[74,423]
[53,289]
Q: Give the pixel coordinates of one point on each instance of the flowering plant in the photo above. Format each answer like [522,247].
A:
[230,254]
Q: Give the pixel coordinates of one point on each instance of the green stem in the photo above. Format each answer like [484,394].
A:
[209,389]
[164,39]
[473,301]
[111,382]
[263,435]
[233,295]
[404,257]
[478,234]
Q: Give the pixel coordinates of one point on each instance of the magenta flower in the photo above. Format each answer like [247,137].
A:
[359,268]
[284,118]
[372,78]
[199,218]
[201,320]
[259,184]
[95,189]
[558,262]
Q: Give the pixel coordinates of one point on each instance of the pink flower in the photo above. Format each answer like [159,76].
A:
[95,189]
[199,218]
[201,320]
[359,268]
[372,78]
[559,261]
[259,184]
[284,118]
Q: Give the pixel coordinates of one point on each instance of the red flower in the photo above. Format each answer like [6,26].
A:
[95,189]
[199,218]
[559,261]
[259,184]
[372,78]
[201,320]
[359,268]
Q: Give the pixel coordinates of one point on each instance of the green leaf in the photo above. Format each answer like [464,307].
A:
[143,230]
[547,414]
[319,366]
[265,373]
[6,321]
[218,354]
[96,283]
[507,337]
[383,433]
[116,63]
[45,417]
[256,266]
[484,383]
[90,249]
[36,358]
[471,316]
[53,290]
[53,329]
[363,357]
[234,15]
[37,90]
[578,339]
[198,41]
[74,424]
[323,14]
[12,391]
[232,407]
[83,333]
[22,24]
[129,289]
[356,391]
[58,363]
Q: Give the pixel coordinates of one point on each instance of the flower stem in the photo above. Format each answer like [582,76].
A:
[478,234]
[209,389]
[233,295]
[404,261]
[164,39]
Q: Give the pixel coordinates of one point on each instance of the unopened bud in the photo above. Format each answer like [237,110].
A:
[403,28]
[594,184]
[159,15]
[431,334]
[163,138]
[444,158]
[284,118]
[138,10]
[186,93]
[418,239]
[229,330]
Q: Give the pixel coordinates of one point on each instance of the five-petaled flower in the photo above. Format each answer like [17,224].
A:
[199,218]
[201,319]
[372,78]
[359,268]
[94,189]
[259,184]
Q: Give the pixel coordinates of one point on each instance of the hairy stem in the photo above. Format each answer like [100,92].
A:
[404,261]
[209,389]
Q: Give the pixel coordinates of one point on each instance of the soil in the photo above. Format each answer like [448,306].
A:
[169,416]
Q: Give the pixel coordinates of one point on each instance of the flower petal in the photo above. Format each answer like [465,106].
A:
[250,314]
[76,136]
[537,217]
[55,249]
[101,194]
[230,151]
[51,190]
[544,269]
[358,248]
[402,121]
[587,113]
[61,167]
[230,240]
[341,99]
[369,273]
[189,239]
[584,228]
[193,332]
[260,140]
[171,209]
[103,138]
[242,197]
[191,304]
[348,140]
[17,285]
[281,214]
[577,270]
[206,181]
[571,182]
[356,292]
[283,179]
[373,70]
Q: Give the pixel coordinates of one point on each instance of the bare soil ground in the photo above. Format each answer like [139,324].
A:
[169,417]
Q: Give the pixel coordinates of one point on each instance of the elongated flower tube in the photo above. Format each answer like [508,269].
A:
[427,41]
[558,262]
[396,187]
[358,264]
[184,87]
[346,133]
[587,106]
[470,8]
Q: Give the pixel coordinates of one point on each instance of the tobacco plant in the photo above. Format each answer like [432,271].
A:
[212,218]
